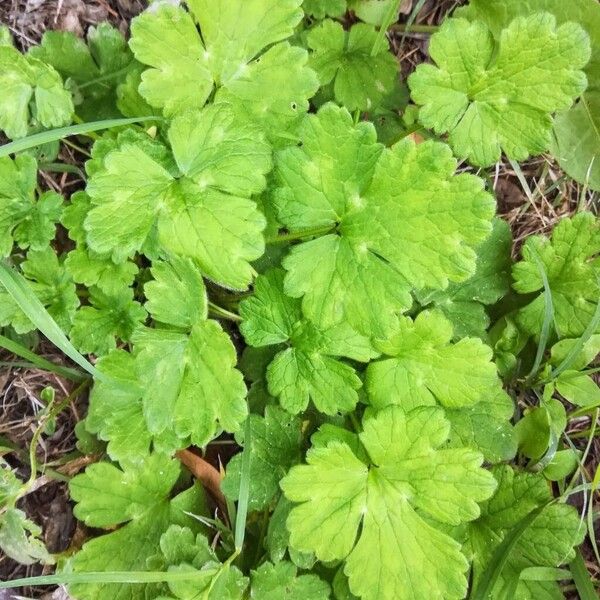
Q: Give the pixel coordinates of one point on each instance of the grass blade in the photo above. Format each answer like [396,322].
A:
[53,135]
[390,17]
[411,19]
[497,563]
[109,577]
[244,495]
[548,318]
[38,361]
[18,288]
[582,578]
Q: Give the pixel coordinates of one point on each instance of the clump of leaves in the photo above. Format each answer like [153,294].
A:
[266,230]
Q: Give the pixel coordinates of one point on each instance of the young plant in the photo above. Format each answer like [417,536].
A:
[257,232]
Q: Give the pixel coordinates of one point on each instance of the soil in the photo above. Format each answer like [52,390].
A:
[531,201]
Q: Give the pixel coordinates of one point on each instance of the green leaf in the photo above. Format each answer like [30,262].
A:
[319,9]
[177,295]
[386,235]
[360,78]
[187,67]
[547,541]
[588,351]
[572,276]
[19,538]
[492,99]
[183,552]
[576,144]
[25,218]
[374,12]
[33,93]
[166,39]
[499,14]
[533,432]
[234,34]
[202,393]
[115,412]
[284,70]
[274,447]
[398,554]
[51,284]
[576,140]
[486,427]
[202,211]
[93,70]
[309,368]
[137,496]
[92,269]
[109,317]
[563,463]
[273,582]
[425,368]
[578,388]
[464,303]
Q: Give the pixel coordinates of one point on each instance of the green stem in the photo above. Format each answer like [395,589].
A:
[223,313]
[301,234]
[51,414]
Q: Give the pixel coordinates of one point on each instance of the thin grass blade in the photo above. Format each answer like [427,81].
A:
[582,578]
[244,495]
[411,19]
[53,135]
[28,302]
[38,361]
[548,319]
[109,577]
[389,18]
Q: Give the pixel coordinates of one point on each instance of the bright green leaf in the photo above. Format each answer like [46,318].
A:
[398,554]
[200,392]
[196,216]
[572,276]
[464,303]
[230,56]
[138,496]
[110,317]
[492,99]
[425,368]
[389,218]
[360,79]
[309,368]
[25,218]
[182,551]
[32,93]
[273,582]
[176,296]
